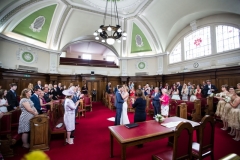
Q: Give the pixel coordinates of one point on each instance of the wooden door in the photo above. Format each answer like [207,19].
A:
[94,85]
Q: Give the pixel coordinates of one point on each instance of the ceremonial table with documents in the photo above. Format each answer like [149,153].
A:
[146,131]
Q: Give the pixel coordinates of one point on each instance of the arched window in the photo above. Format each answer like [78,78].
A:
[198,43]
[227,38]
[175,55]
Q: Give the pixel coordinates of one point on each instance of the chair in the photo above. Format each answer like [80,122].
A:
[87,103]
[81,109]
[205,135]
[182,144]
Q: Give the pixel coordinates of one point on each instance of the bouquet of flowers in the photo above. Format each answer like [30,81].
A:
[212,95]
[159,118]
[227,99]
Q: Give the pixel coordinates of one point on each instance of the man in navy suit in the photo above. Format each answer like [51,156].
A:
[12,97]
[119,104]
[155,101]
[35,99]
[209,88]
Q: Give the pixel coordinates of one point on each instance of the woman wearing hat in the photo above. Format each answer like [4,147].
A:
[69,115]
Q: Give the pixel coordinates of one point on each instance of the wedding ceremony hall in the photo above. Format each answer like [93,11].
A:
[119,79]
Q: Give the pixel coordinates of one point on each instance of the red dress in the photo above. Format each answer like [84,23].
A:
[132,93]
[198,95]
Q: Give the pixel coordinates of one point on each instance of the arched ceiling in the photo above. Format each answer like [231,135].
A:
[161,20]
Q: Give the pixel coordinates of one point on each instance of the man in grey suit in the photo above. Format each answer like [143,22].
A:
[119,104]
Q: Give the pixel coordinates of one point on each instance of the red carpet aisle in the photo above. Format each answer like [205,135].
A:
[92,141]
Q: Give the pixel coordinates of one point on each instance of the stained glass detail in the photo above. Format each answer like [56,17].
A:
[198,43]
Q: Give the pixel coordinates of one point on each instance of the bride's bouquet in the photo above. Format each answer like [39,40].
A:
[159,118]
[212,95]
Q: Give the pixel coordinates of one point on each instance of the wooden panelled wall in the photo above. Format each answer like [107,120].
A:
[230,76]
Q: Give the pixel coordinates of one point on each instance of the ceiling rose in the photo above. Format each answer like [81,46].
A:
[122,4]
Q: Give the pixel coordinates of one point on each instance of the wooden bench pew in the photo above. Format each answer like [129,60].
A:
[192,110]
[54,120]
[8,137]
[111,104]
[15,118]
[207,105]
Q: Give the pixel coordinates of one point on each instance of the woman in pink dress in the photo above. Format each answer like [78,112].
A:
[198,93]
[165,103]
[69,114]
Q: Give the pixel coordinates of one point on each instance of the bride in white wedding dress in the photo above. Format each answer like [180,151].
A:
[124,117]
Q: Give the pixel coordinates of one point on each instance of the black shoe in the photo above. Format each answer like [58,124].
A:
[76,123]
[140,145]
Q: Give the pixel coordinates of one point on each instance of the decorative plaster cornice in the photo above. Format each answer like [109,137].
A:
[27,44]
[10,4]
[16,10]
[60,25]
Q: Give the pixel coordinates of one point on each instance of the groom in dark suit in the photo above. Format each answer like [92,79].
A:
[155,101]
[119,105]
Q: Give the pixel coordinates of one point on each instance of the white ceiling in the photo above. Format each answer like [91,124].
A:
[164,18]
[90,48]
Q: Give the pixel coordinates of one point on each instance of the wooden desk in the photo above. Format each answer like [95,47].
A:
[146,131]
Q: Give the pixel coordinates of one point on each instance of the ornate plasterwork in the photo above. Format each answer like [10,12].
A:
[16,10]
[53,63]
[37,24]
[141,64]
[27,55]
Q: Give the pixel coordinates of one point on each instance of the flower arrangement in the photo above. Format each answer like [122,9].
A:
[159,118]
[227,99]
[212,95]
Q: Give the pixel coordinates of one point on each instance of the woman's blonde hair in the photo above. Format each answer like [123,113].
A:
[126,87]
[24,93]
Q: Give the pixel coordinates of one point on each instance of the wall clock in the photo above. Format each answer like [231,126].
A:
[195,65]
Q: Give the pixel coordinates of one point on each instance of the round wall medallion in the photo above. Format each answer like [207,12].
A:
[27,56]
[195,65]
[141,65]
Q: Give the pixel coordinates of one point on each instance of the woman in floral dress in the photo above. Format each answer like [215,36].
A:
[221,102]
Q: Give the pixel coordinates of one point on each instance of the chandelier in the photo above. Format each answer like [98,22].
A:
[110,33]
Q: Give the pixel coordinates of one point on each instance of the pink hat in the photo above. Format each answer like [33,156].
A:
[68,92]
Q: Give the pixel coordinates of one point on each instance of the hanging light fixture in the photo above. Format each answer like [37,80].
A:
[110,33]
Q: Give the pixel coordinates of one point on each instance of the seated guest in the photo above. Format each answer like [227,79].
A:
[39,86]
[85,89]
[165,103]
[43,103]
[3,101]
[132,92]
[175,93]
[209,89]
[184,92]
[198,92]
[192,93]
[140,107]
[69,114]
[234,119]
[227,108]
[30,86]
[12,97]
[221,102]
[28,112]
[35,99]
[54,92]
